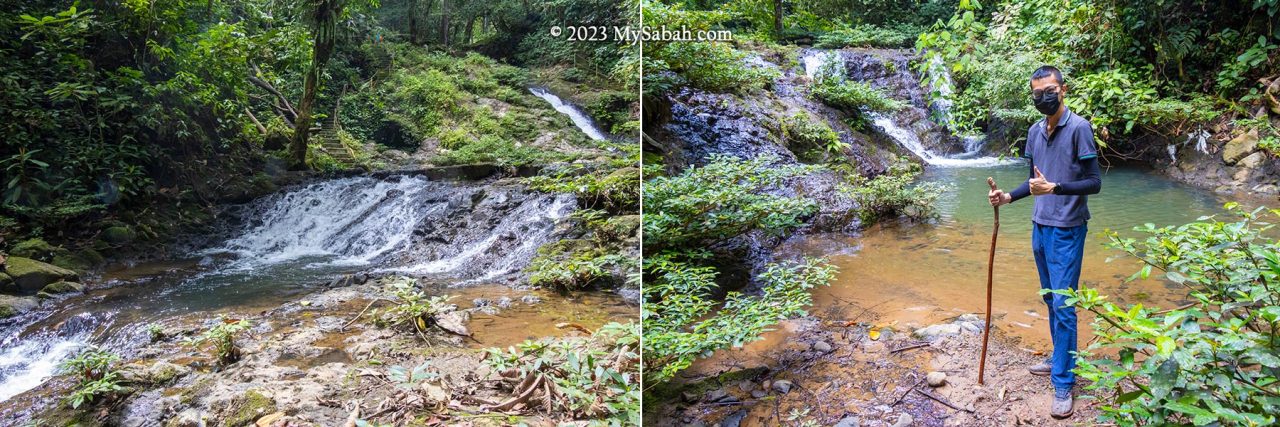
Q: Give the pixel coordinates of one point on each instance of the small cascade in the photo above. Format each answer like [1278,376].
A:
[941,87]
[818,62]
[908,139]
[28,362]
[580,118]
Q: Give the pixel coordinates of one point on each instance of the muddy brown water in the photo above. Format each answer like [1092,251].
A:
[912,275]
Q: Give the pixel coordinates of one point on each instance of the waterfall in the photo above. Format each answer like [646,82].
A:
[818,63]
[581,119]
[909,140]
[350,221]
[941,87]
[29,361]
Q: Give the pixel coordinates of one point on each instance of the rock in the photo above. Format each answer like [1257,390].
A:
[1239,147]
[118,235]
[12,305]
[1253,161]
[31,275]
[717,395]
[734,419]
[80,263]
[936,379]
[188,418]
[455,321]
[782,386]
[758,394]
[931,332]
[36,249]
[904,420]
[971,327]
[62,287]
[504,302]
[689,396]
[850,422]
[969,317]
[270,419]
[7,285]
[530,299]
[244,410]
[822,347]
[481,302]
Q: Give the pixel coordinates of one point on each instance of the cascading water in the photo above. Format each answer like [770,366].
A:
[581,119]
[292,243]
[818,63]
[26,362]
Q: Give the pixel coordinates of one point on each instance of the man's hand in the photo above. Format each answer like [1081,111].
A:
[996,196]
[1039,185]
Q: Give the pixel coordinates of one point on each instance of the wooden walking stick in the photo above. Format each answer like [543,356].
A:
[991,261]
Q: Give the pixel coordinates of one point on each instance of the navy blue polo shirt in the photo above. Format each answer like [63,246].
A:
[1058,156]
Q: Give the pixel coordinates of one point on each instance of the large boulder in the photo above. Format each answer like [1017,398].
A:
[12,306]
[118,235]
[30,275]
[60,287]
[7,285]
[1239,147]
[36,249]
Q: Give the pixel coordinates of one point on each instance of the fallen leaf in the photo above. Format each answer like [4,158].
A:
[875,334]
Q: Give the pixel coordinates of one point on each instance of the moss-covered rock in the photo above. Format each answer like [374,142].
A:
[36,249]
[250,407]
[7,285]
[619,228]
[118,235]
[31,275]
[12,306]
[60,287]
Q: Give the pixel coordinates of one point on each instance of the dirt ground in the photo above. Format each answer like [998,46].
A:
[827,369]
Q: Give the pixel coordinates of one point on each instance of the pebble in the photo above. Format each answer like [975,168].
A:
[936,379]
[758,394]
[904,420]
[530,299]
[504,302]
[782,386]
[822,347]
[850,422]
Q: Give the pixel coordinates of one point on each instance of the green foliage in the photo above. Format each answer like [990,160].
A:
[412,307]
[711,66]
[723,199]
[572,271]
[894,193]
[96,378]
[1216,360]
[812,140]
[155,332]
[223,336]
[494,150]
[613,185]
[1268,135]
[592,378]
[853,97]
[869,36]
[1133,68]
[684,322]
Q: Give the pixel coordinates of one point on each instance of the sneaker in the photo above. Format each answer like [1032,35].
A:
[1042,369]
[1062,403]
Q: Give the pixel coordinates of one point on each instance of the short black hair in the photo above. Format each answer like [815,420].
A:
[1046,71]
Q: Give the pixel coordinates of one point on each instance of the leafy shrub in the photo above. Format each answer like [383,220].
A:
[711,66]
[223,336]
[723,199]
[854,97]
[495,150]
[593,378]
[1216,360]
[92,366]
[413,307]
[812,140]
[572,271]
[869,35]
[610,188]
[682,322]
[894,193]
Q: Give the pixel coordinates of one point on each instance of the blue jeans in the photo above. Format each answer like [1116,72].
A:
[1059,252]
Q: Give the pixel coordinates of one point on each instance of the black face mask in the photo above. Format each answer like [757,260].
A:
[1047,103]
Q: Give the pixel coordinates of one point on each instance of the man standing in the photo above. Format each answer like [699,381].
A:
[1064,170]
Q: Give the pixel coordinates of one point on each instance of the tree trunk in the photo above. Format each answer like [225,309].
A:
[777,18]
[413,21]
[444,23]
[467,33]
[324,26]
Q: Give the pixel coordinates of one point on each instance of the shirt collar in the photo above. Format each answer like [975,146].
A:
[1062,121]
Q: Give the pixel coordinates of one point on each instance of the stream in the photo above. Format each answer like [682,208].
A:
[469,240]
